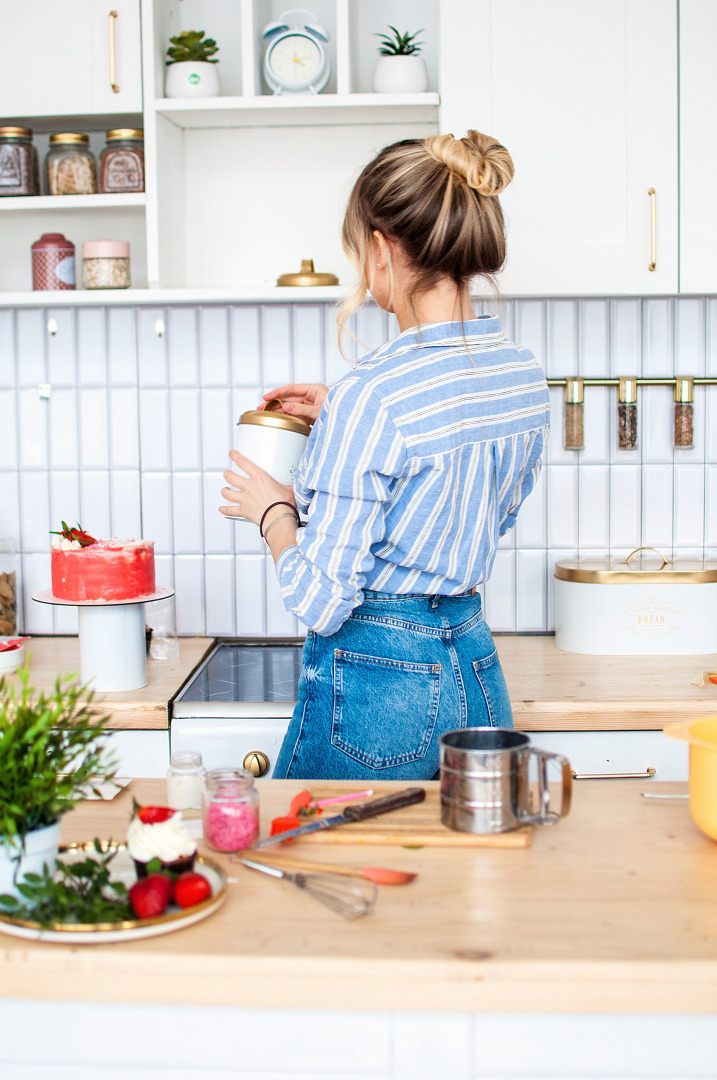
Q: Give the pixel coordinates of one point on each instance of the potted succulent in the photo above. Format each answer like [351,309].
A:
[52,749]
[400,69]
[190,71]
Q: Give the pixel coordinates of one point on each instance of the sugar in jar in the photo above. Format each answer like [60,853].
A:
[185,780]
[230,809]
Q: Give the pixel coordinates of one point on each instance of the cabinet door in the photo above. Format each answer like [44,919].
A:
[698,146]
[584,96]
[56,59]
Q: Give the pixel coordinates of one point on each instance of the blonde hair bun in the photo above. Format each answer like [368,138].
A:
[478,159]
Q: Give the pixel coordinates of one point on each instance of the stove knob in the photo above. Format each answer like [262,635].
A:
[257,763]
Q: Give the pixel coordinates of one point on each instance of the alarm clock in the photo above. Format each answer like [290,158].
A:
[295,61]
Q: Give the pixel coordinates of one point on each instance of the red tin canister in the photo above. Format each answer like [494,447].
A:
[53,262]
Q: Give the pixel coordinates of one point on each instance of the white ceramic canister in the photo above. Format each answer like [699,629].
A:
[273,440]
[636,606]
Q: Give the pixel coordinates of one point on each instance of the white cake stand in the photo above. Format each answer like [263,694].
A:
[113,649]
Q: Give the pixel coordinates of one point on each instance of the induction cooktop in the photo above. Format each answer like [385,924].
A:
[245,677]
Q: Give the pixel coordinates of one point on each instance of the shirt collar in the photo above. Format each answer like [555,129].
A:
[477,331]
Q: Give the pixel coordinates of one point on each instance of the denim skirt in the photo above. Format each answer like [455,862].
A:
[376,696]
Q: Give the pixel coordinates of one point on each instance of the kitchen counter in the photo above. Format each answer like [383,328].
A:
[611,910]
[550,690]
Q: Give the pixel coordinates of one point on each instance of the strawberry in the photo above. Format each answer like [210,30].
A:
[76,533]
[150,897]
[153,815]
[191,889]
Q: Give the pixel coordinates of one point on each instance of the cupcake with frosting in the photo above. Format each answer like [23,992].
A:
[158,832]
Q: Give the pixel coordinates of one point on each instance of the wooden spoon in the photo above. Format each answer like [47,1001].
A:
[377,874]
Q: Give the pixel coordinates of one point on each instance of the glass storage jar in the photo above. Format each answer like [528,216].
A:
[19,170]
[185,780]
[230,809]
[122,161]
[105,264]
[8,587]
[70,166]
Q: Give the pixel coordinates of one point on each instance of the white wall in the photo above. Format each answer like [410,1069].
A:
[133,440]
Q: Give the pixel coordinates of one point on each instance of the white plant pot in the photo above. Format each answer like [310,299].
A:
[192,79]
[400,75]
[41,846]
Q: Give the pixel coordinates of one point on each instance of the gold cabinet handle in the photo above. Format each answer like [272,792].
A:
[649,771]
[113,57]
[257,763]
[653,228]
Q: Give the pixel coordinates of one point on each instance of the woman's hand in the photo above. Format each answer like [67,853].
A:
[250,495]
[300,399]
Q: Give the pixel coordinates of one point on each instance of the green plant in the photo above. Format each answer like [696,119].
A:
[51,752]
[189,46]
[399,44]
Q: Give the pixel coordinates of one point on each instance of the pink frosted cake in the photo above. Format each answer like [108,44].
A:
[87,569]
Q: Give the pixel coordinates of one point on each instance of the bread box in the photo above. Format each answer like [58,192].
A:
[635,606]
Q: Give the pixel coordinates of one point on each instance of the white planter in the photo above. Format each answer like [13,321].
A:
[41,846]
[192,79]
[400,75]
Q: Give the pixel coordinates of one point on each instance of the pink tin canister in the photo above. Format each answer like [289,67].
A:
[53,262]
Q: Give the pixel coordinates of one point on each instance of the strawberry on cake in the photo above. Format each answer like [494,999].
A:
[87,569]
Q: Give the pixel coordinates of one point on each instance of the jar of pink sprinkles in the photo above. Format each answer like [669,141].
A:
[230,809]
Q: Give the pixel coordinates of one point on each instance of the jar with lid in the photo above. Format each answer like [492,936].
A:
[53,262]
[8,586]
[230,809]
[19,170]
[70,166]
[122,161]
[105,264]
[185,780]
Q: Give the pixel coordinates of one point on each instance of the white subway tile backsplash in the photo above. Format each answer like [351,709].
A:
[188,515]
[37,617]
[10,508]
[149,461]
[182,337]
[554,555]
[214,346]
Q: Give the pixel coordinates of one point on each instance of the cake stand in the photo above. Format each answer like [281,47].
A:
[113,644]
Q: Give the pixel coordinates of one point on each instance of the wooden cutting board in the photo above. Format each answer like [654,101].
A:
[413,826]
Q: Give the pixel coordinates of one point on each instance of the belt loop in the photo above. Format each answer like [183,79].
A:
[434,601]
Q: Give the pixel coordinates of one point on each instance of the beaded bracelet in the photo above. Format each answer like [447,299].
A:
[291,506]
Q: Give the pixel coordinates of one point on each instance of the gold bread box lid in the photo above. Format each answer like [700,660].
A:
[269,416]
[651,567]
[307,276]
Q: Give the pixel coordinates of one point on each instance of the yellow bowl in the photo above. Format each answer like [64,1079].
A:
[702,738]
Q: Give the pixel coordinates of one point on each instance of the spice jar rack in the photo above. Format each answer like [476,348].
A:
[627,406]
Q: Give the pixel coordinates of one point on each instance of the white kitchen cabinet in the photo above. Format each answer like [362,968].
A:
[698,146]
[609,754]
[59,57]
[140,753]
[584,96]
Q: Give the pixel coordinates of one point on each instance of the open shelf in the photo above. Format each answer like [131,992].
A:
[137,200]
[227,112]
[160,297]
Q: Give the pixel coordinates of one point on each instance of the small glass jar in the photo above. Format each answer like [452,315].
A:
[70,166]
[574,414]
[105,264]
[627,413]
[185,780]
[122,161]
[230,809]
[19,170]
[8,587]
[684,413]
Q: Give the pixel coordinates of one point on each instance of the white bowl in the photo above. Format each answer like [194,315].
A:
[10,659]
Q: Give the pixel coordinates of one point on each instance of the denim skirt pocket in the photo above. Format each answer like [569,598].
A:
[384,710]
[491,680]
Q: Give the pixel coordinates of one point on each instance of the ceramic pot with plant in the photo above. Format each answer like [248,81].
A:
[52,749]
[190,71]
[400,69]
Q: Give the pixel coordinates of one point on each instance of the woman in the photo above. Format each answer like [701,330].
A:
[418,461]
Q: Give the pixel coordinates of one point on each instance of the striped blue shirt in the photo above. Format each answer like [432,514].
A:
[418,462]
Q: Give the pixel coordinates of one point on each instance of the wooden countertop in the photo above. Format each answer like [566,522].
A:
[612,910]
[550,690]
[132,709]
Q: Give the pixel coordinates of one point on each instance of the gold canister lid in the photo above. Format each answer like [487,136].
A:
[627,389]
[574,393]
[15,133]
[125,133]
[651,567]
[269,416]
[307,276]
[69,137]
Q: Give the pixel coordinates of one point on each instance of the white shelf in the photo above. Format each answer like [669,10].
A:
[260,295]
[283,109]
[135,200]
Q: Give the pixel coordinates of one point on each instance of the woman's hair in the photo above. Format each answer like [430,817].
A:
[438,198]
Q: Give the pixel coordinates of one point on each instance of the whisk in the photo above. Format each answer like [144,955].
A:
[346,896]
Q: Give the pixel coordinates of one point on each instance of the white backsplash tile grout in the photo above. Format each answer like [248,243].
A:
[135,436]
